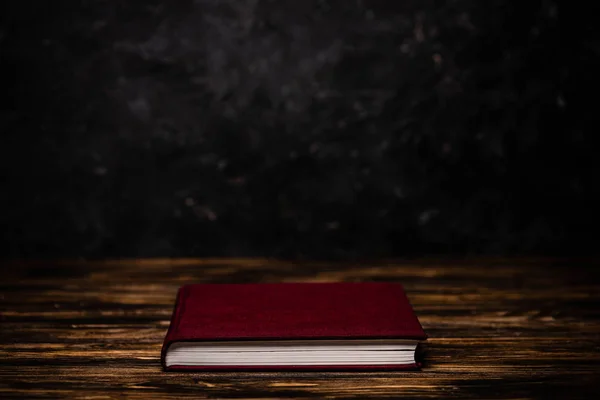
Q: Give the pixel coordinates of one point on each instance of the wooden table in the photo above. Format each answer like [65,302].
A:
[498,329]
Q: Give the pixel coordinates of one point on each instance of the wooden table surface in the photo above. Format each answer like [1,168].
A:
[498,329]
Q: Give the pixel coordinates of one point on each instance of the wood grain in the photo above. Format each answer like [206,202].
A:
[498,329]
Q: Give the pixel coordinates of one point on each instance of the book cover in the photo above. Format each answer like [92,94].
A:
[307,314]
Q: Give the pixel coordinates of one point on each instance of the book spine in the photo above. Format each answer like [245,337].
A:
[173,325]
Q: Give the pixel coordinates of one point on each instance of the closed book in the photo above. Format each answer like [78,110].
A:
[292,326]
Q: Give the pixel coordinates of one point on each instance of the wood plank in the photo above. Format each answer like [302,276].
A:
[501,328]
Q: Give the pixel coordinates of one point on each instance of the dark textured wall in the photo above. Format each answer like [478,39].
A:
[355,128]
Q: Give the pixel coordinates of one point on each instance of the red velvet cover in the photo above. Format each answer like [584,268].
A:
[292,311]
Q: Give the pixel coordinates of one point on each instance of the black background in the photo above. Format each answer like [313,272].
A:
[298,129]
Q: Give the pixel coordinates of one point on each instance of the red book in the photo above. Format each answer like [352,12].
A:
[292,326]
